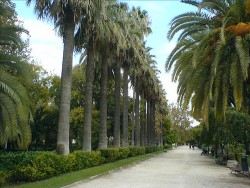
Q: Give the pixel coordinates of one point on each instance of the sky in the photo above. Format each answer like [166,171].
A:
[46,46]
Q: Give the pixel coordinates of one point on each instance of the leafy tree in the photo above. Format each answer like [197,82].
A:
[44,91]
[169,134]
[181,122]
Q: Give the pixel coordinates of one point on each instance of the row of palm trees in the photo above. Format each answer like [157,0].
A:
[109,36]
[211,59]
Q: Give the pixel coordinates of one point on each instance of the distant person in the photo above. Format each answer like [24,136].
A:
[204,151]
[189,146]
[193,146]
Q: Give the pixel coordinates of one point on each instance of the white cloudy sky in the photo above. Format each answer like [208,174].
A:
[47,46]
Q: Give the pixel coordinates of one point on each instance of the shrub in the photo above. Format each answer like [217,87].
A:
[135,150]
[110,154]
[4,176]
[44,165]
[10,160]
[151,149]
[85,159]
[124,153]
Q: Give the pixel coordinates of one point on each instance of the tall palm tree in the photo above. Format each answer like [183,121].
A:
[65,15]
[102,31]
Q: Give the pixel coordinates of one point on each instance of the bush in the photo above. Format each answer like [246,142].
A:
[135,150]
[4,176]
[34,166]
[151,149]
[10,160]
[124,153]
[85,159]
[44,165]
[110,154]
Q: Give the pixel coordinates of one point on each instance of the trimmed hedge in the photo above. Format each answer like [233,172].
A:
[33,166]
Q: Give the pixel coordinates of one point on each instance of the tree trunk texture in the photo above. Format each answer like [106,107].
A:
[125,108]
[142,119]
[65,95]
[103,105]
[137,114]
[148,123]
[133,121]
[152,124]
[145,124]
[88,97]
[161,134]
[117,105]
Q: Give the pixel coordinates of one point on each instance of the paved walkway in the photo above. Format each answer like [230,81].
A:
[179,168]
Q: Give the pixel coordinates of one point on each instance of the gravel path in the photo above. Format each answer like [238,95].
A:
[179,168]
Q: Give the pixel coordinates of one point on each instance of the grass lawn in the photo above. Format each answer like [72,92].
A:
[72,177]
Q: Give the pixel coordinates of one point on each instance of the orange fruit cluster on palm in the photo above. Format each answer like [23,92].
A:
[240,29]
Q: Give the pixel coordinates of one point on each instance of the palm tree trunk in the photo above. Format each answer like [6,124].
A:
[153,123]
[133,121]
[88,97]
[103,105]
[142,120]
[117,105]
[125,108]
[65,96]
[148,123]
[137,114]
[161,135]
[145,123]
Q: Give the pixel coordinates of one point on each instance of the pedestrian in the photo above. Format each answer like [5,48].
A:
[193,146]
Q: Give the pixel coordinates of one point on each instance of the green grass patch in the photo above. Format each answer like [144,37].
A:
[72,177]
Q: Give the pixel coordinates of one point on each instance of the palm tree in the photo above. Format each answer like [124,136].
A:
[65,15]
[211,58]
[133,56]
[14,102]
[102,31]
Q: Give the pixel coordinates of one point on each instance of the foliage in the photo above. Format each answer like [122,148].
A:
[34,166]
[110,154]
[14,102]
[44,96]
[135,150]
[151,149]
[82,175]
[124,153]
[169,134]
[231,135]
[181,121]
[10,160]
[86,159]
[211,58]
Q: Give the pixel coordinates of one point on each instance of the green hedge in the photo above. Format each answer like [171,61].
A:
[136,150]
[33,166]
